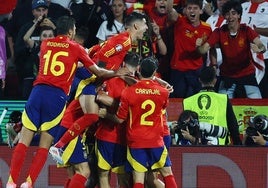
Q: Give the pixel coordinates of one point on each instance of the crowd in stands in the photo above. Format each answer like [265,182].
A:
[206,52]
[173,28]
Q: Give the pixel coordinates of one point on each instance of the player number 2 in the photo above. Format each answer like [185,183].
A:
[150,111]
[56,67]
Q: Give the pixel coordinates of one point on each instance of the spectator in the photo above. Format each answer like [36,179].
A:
[90,13]
[186,63]
[47,102]
[21,14]
[58,8]
[216,20]
[237,67]
[208,9]
[115,23]
[23,61]
[254,16]
[213,108]
[158,14]
[46,31]
[3,61]
[135,110]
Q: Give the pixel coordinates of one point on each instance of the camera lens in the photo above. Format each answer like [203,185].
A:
[260,122]
[251,131]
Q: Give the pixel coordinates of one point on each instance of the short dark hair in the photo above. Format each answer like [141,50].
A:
[194,2]
[82,32]
[233,4]
[148,66]
[131,18]
[64,24]
[207,75]
[132,59]
[186,114]
[44,28]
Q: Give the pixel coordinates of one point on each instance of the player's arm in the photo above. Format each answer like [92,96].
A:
[104,73]
[164,84]
[106,100]
[113,117]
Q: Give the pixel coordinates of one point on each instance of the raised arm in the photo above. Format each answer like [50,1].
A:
[172,13]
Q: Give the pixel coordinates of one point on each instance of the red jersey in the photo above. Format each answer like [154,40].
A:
[165,124]
[185,57]
[142,105]
[58,62]
[107,130]
[160,19]
[113,51]
[237,59]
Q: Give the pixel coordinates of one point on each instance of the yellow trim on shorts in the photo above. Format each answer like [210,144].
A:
[135,164]
[162,161]
[68,151]
[84,83]
[119,169]
[45,126]
[102,163]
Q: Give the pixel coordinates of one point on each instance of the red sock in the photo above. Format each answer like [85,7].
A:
[138,185]
[170,182]
[37,164]
[67,183]
[77,128]
[78,181]
[17,160]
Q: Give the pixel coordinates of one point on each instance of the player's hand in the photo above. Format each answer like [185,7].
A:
[102,112]
[170,88]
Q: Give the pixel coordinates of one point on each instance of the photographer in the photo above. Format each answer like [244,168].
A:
[214,109]
[192,132]
[186,129]
[257,131]
[13,128]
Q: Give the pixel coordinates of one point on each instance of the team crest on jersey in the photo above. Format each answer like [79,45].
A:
[118,47]
[241,42]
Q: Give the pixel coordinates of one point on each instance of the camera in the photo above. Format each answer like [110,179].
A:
[213,130]
[188,119]
[258,124]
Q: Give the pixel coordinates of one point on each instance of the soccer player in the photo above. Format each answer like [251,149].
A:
[111,137]
[143,112]
[111,54]
[46,104]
